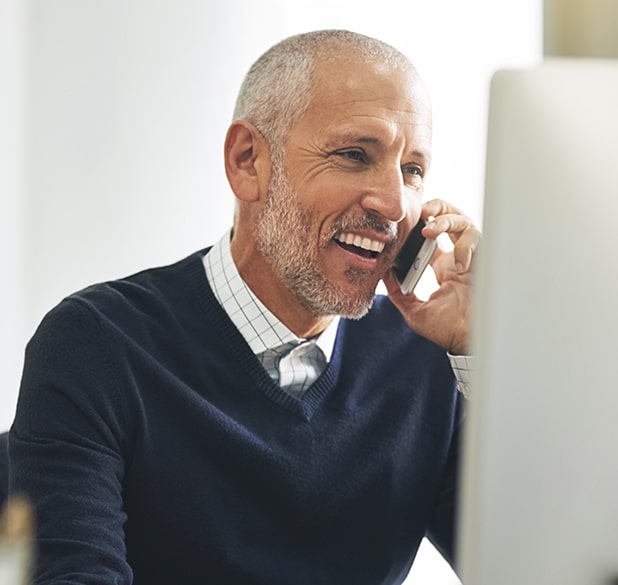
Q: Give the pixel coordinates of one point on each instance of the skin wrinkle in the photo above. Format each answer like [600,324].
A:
[314,191]
[349,141]
[300,271]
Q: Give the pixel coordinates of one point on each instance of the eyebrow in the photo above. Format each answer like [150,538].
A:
[352,137]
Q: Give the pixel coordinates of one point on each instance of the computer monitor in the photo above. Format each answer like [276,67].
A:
[539,502]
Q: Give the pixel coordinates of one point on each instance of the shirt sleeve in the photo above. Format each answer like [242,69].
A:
[67,451]
[462,368]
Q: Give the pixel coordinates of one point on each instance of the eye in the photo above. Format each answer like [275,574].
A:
[353,155]
[413,170]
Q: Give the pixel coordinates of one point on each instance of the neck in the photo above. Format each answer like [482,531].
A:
[258,275]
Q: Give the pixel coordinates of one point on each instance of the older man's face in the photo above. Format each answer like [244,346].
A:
[349,188]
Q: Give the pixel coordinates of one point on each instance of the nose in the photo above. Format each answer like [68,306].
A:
[387,195]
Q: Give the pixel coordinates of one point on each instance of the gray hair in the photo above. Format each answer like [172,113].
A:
[279,86]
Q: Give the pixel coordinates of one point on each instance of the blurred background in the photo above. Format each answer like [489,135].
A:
[113,115]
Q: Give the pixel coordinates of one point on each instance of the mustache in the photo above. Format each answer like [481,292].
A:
[369,221]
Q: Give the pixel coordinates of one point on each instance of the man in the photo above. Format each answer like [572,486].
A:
[252,414]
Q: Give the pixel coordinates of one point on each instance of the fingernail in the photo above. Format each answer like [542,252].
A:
[459,267]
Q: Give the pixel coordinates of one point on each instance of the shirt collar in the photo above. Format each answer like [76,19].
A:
[260,328]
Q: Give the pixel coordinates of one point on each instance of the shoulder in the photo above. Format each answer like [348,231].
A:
[144,290]
[383,321]
[138,300]
[384,333]
[95,317]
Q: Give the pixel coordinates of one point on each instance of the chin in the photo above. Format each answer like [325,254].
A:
[349,295]
[333,300]
[359,310]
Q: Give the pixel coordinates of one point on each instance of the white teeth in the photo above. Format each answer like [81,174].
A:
[377,246]
[360,242]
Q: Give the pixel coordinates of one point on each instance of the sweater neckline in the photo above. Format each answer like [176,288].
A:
[304,407]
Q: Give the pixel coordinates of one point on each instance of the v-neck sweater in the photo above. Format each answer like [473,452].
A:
[156,449]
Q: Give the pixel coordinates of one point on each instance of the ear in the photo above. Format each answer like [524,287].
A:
[247,160]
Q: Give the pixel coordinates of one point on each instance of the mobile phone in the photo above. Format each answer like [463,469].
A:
[413,258]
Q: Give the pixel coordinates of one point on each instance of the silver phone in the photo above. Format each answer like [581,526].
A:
[413,258]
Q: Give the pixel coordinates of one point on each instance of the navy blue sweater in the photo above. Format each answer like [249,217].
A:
[157,450]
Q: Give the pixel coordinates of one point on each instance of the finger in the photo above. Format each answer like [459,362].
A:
[406,304]
[441,264]
[452,224]
[437,207]
[443,217]
[401,300]
[464,249]
[460,229]
[390,282]
[392,285]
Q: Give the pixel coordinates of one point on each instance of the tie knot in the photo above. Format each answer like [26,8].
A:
[295,365]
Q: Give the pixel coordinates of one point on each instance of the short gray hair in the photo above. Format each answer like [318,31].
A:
[279,86]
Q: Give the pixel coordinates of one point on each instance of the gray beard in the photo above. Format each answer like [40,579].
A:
[281,239]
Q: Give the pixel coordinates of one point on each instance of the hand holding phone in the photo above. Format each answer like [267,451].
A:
[413,258]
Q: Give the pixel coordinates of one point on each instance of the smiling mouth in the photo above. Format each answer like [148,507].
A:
[361,246]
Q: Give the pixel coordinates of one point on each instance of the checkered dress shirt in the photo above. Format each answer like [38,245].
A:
[294,363]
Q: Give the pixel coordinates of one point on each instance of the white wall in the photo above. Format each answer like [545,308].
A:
[126,104]
[12,202]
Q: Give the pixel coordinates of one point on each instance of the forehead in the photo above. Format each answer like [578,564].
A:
[373,100]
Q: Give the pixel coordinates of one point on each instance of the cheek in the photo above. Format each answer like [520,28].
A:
[334,184]
[414,210]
